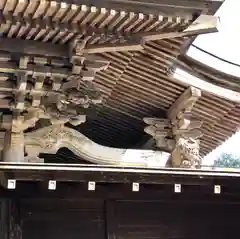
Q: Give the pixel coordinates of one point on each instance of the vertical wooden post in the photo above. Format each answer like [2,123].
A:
[14,147]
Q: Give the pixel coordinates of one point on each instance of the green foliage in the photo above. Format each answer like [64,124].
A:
[227,160]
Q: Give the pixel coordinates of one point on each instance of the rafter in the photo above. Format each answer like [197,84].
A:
[131,42]
[202,25]
[155,6]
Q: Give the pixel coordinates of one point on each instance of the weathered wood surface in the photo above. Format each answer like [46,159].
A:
[128,218]
[134,84]
[154,6]
[179,133]
[188,78]
[51,139]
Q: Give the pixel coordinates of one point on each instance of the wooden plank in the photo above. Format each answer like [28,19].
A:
[128,46]
[110,219]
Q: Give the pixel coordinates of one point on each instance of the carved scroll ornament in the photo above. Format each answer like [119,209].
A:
[180,132]
[52,138]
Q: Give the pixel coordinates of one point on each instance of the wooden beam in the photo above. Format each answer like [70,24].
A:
[183,129]
[128,46]
[202,25]
[158,122]
[171,7]
[51,25]
[186,100]
[187,78]
[30,47]
[36,70]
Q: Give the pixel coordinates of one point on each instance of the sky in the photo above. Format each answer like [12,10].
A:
[229,146]
[228,36]
[227,48]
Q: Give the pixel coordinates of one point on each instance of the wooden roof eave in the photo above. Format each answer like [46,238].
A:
[174,7]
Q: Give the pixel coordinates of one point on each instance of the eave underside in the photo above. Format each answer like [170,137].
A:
[136,84]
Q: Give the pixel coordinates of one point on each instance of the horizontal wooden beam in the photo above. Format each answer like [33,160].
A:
[203,24]
[30,47]
[35,70]
[128,46]
[150,191]
[119,172]
[170,7]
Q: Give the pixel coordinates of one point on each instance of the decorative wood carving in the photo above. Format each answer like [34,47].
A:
[161,131]
[180,133]
[52,138]
[41,88]
[185,130]
[56,81]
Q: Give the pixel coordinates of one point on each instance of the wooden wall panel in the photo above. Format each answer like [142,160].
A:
[145,220]
[4,216]
[64,219]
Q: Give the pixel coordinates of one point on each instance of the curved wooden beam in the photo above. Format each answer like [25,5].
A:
[52,138]
[189,79]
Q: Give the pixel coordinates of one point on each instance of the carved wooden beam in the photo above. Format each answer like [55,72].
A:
[50,139]
[160,130]
[26,85]
[180,132]
[184,103]
[35,91]
[185,130]
[202,25]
